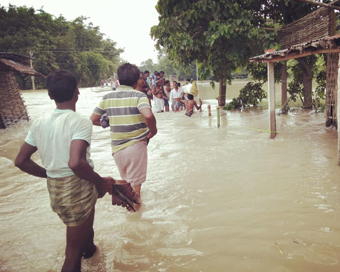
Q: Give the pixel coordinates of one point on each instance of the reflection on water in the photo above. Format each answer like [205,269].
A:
[215,199]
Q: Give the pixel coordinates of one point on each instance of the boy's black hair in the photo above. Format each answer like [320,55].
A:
[61,85]
[128,74]
[166,82]
[190,96]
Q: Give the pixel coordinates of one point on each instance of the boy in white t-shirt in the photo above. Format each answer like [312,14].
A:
[63,139]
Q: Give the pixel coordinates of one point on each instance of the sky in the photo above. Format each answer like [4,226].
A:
[126,22]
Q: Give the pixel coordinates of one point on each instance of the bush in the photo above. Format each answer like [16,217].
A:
[250,94]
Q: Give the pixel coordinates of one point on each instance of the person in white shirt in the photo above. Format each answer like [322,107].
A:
[62,139]
[176,96]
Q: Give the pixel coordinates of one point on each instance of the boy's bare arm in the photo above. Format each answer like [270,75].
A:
[198,107]
[165,95]
[24,162]
[150,121]
[81,168]
[95,118]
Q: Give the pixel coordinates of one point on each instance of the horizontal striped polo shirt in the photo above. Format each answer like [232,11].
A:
[126,122]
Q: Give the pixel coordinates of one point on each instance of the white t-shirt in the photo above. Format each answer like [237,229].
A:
[176,94]
[52,135]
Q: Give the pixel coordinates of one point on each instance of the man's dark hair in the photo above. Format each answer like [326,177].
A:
[179,84]
[166,82]
[61,85]
[146,72]
[162,72]
[128,74]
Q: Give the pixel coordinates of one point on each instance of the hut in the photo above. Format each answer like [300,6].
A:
[313,34]
[12,107]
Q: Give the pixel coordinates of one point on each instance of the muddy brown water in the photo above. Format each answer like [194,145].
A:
[215,199]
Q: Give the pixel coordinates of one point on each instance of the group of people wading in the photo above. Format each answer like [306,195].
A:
[159,90]
[62,138]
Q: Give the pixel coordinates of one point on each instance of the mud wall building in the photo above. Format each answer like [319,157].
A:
[12,106]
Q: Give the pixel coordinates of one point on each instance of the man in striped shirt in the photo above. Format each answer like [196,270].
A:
[132,124]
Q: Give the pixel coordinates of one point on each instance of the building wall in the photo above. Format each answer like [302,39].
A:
[12,107]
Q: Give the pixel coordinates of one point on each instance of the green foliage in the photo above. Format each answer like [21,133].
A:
[259,71]
[169,67]
[220,35]
[57,43]
[320,75]
[148,65]
[251,94]
[295,90]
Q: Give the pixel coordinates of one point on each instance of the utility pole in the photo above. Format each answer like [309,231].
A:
[196,71]
[32,77]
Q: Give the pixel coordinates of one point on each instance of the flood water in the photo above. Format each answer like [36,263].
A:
[215,199]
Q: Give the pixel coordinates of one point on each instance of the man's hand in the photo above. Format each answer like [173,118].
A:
[150,121]
[150,135]
[105,186]
[95,118]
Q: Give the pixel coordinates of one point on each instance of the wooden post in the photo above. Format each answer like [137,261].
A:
[271,100]
[338,111]
[284,84]
[32,77]
[218,116]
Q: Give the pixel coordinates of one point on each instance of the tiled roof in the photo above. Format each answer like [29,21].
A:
[324,45]
[19,63]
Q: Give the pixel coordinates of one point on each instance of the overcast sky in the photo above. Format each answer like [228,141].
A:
[126,22]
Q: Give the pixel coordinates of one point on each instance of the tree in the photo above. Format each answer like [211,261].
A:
[220,35]
[297,87]
[57,43]
[286,12]
[169,67]
[148,65]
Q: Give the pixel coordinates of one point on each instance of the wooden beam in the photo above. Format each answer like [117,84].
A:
[315,3]
[271,100]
